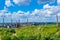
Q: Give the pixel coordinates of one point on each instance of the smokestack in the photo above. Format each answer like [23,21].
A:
[19,21]
[57,20]
[3,19]
[27,20]
[11,20]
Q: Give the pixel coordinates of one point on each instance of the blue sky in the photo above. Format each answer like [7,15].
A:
[32,5]
[36,10]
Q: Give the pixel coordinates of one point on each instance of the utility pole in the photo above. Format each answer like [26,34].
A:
[57,20]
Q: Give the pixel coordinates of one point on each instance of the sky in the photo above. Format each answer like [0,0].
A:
[34,10]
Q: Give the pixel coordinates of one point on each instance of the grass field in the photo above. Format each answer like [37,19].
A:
[31,33]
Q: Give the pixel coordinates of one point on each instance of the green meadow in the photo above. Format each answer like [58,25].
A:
[49,32]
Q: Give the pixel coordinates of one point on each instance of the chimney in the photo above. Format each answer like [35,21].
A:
[57,20]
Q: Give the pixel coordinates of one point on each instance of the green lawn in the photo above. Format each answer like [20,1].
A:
[49,32]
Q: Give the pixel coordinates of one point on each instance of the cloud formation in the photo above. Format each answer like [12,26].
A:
[36,15]
[22,2]
[58,1]
[46,1]
[48,12]
[8,3]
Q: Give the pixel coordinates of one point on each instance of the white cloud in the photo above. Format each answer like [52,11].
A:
[58,1]
[46,1]
[52,1]
[8,3]
[4,10]
[58,14]
[46,6]
[36,11]
[42,1]
[51,9]
[37,14]
[47,11]
[41,12]
[22,2]
[20,12]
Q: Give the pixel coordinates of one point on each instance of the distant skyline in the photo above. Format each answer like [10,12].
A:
[36,10]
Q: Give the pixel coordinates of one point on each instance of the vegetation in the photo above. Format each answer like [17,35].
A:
[49,32]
